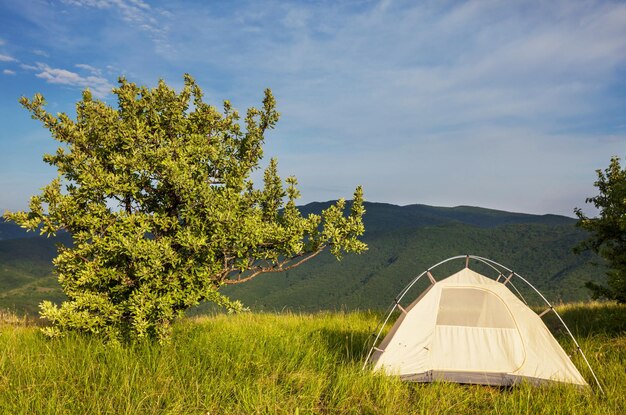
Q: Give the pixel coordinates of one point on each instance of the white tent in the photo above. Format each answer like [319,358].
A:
[468,328]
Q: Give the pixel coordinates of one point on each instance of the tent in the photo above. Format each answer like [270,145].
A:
[469,328]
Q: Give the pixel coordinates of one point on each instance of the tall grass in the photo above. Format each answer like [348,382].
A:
[278,364]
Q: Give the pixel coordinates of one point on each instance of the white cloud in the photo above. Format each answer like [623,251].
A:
[7,58]
[98,85]
[137,12]
[517,93]
[2,42]
[296,19]
[8,72]
[89,68]
[474,102]
[40,52]
[29,67]
[100,4]
[409,71]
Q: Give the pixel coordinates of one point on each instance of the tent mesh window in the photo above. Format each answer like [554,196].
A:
[472,307]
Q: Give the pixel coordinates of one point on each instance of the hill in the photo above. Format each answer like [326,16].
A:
[26,276]
[403,242]
[9,230]
[384,217]
[406,240]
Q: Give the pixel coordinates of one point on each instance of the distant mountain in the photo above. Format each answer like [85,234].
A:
[384,217]
[26,269]
[9,230]
[403,241]
[540,253]
[406,240]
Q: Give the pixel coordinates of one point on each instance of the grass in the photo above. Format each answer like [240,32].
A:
[278,364]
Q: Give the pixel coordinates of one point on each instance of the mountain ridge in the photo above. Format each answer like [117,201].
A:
[388,215]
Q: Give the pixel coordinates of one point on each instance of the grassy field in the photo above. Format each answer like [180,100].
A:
[278,364]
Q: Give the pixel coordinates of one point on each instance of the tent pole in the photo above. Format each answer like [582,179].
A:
[558,316]
[392,309]
[580,350]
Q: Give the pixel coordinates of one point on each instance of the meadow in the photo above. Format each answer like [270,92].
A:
[280,363]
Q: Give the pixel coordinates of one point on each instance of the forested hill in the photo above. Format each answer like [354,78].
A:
[385,217]
[9,230]
[403,241]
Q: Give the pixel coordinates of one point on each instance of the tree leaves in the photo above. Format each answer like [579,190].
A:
[608,231]
[157,196]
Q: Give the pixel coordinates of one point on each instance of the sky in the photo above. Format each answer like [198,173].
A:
[508,105]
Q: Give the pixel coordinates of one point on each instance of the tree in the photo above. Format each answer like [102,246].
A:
[608,230]
[158,197]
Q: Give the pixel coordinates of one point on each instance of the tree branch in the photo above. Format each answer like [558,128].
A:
[280,267]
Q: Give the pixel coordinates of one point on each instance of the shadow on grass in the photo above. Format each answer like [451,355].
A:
[348,345]
[607,319]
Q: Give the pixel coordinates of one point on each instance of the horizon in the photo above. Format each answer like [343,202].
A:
[331,201]
[509,107]
[446,207]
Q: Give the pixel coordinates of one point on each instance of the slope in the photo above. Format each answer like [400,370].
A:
[26,276]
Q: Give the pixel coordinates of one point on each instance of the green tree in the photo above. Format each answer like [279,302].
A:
[158,197]
[608,230]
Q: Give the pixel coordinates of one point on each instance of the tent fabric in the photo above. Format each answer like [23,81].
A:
[469,328]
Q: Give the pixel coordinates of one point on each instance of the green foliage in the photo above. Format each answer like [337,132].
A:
[158,198]
[282,364]
[608,230]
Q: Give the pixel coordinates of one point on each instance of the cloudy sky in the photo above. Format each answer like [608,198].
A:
[504,104]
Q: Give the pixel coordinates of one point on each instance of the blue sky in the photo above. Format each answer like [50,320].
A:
[509,105]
